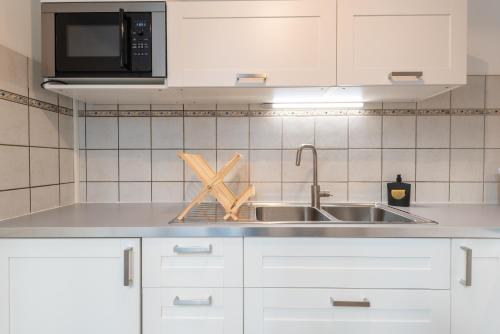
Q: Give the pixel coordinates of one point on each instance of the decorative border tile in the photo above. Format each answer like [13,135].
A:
[467,112]
[433,112]
[66,111]
[167,113]
[366,112]
[233,113]
[400,112]
[134,113]
[13,97]
[200,113]
[101,113]
[492,112]
[43,105]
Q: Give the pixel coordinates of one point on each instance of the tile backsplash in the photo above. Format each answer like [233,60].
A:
[36,140]
[448,147]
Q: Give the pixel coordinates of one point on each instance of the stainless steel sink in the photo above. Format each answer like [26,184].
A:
[290,214]
[373,214]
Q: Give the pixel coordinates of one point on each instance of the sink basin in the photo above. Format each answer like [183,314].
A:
[290,214]
[372,214]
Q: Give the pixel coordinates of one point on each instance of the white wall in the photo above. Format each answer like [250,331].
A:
[20,26]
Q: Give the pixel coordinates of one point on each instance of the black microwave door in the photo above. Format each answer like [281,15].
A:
[91,44]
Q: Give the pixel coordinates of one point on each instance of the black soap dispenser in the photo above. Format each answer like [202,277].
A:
[399,193]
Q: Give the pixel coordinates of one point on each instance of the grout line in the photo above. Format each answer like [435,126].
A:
[151,151]
[118,150]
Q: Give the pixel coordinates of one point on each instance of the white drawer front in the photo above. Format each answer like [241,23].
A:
[347,263]
[198,262]
[192,310]
[306,311]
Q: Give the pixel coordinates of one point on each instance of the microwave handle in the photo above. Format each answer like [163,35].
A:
[123,39]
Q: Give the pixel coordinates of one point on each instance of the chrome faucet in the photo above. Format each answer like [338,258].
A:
[316,192]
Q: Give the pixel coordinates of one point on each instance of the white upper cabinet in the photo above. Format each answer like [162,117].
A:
[389,42]
[276,43]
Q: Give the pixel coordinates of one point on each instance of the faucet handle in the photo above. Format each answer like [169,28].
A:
[325,194]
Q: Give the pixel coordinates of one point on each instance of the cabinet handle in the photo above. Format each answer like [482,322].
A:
[468,267]
[255,76]
[192,302]
[192,250]
[347,303]
[418,75]
[128,266]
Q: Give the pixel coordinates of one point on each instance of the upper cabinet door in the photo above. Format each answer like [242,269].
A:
[388,42]
[475,286]
[276,43]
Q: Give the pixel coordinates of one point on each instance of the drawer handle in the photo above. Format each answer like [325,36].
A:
[468,267]
[128,266]
[192,302]
[193,250]
[417,75]
[251,77]
[349,303]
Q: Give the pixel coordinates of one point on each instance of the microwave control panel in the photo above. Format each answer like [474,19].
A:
[140,41]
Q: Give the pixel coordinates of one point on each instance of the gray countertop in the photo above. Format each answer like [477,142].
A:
[152,220]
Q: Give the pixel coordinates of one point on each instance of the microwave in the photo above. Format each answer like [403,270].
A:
[99,41]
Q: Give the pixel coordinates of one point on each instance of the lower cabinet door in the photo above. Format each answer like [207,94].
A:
[192,310]
[327,311]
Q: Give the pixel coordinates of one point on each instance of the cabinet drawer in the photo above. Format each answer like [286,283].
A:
[187,262]
[286,311]
[347,263]
[192,310]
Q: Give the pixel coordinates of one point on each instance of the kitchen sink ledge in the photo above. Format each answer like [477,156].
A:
[152,220]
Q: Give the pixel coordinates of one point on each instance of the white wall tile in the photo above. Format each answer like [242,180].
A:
[44,198]
[135,165]
[365,131]
[433,131]
[365,165]
[65,131]
[43,128]
[167,166]
[233,132]
[210,157]
[297,192]
[332,165]
[83,165]
[365,192]
[200,132]
[13,123]
[297,131]
[399,132]
[13,71]
[240,172]
[466,165]
[83,192]
[441,101]
[135,192]
[432,192]
[102,165]
[168,192]
[293,173]
[265,166]
[14,203]
[492,91]
[433,164]
[338,192]
[466,193]
[493,131]
[266,132]
[102,132]
[66,158]
[398,161]
[267,192]
[467,131]
[471,95]
[135,132]
[399,105]
[492,193]
[492,165]
[67,194]
[44,164]
[82,132]
[331,132]
[14,164]
[167,132]
[101,107]
[102,192]
[191,189]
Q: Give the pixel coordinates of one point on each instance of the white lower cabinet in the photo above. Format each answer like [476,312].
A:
[77,286]
[193,310]
[326,311]
[475,292]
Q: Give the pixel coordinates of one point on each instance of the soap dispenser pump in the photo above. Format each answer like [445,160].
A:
[399,193]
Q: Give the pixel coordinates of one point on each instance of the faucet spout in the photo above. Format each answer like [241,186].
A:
[316,193]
